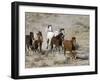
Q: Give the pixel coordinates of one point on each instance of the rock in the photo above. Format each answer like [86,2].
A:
[48,62]
[59,58]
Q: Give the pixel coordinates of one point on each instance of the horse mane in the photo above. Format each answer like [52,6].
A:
[73,46]
[31,35]
[59,35]
[39,33]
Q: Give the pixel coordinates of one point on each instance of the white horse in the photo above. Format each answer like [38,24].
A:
[50,34]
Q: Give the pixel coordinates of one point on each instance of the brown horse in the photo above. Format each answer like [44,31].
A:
[28,40]
[38,42]
[69,45]
[57,41]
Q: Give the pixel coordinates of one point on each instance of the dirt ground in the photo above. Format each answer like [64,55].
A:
[74,25]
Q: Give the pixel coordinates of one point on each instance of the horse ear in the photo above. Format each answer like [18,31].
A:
[73,38]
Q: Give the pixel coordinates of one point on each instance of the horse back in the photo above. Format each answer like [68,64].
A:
[67,44]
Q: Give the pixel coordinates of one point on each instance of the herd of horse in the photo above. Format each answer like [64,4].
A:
[54,39]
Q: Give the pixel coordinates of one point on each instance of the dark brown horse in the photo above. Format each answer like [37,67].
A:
[69,45]
[28,40]
[38,42]
[57,41]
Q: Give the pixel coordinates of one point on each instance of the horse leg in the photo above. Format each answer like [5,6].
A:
[47,43]
[51,46]
[62,47]
[56,47]
[59,48]
[73,59]
[27,48]
[64,51]
[40,46]
[74,55]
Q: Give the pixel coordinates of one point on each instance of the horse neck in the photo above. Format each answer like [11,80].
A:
[32,37]
[50,29]
[59,35]
[73,42]
[39,37]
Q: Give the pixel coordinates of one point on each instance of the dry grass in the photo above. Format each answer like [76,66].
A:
[74,25]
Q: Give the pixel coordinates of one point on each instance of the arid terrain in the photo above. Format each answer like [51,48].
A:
[74,25]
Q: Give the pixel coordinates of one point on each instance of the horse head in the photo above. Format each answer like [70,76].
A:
[74,41]
[50,28]
[39,36]
[61,36]
[62,30]
[31,35]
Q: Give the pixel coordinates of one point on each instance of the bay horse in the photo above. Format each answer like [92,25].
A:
[57,41]
[70,45]
[38,42]
[50,34]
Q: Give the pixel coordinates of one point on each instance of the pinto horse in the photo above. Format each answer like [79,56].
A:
[51,34]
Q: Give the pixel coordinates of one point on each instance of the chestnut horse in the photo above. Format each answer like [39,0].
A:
[70,45]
